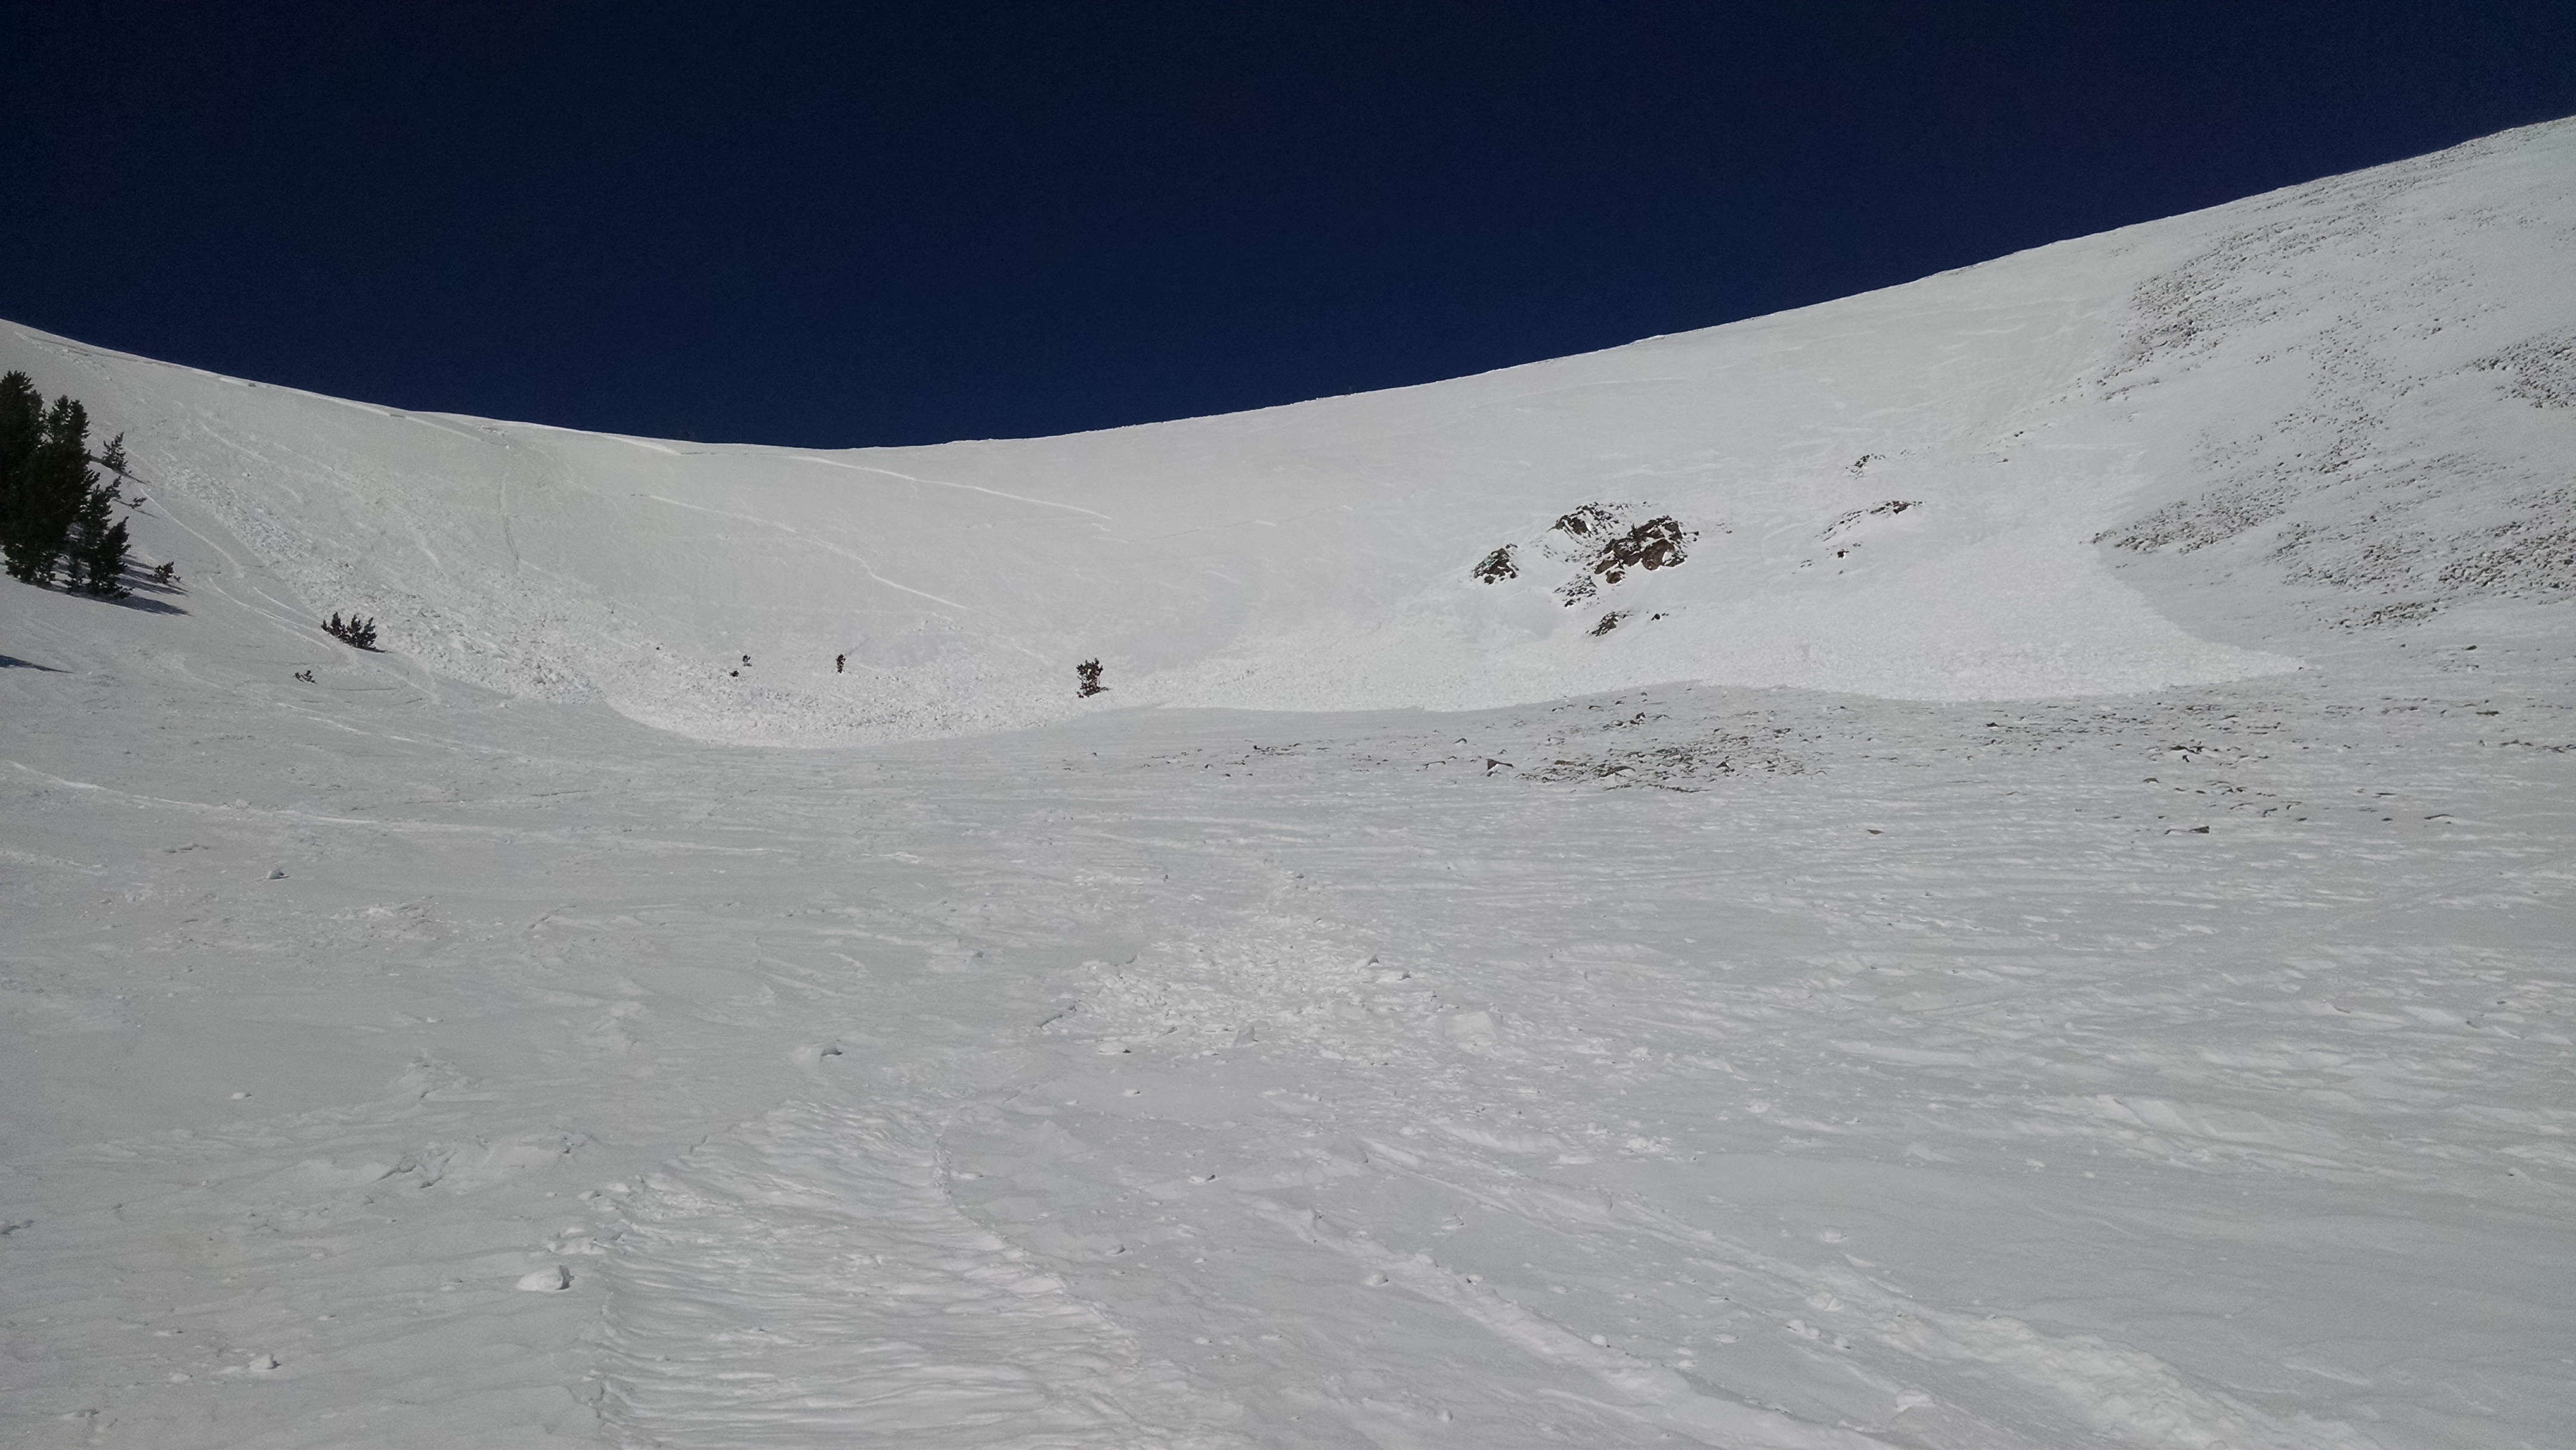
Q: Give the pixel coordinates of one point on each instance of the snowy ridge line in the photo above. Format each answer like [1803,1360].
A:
[2194,387]
[806,1279]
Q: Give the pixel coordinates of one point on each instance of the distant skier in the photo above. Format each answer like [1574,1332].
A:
[840,663]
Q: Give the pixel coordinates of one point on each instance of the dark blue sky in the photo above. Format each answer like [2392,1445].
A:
[851,224]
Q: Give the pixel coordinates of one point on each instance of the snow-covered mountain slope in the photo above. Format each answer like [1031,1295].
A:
[2359,384]
[420,1053]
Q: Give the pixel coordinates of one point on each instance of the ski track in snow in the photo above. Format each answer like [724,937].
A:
[825,546]
[966,487]
[433,1055]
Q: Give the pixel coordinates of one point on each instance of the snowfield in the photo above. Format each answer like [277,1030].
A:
[1990,865]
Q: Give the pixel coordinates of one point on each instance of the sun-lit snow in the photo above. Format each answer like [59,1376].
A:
[2046,927]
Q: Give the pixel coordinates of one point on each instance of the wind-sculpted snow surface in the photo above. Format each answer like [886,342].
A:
[2187,1070]
[923,1327]
[406,1049]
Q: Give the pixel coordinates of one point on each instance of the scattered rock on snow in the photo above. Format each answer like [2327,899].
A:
[1598,540]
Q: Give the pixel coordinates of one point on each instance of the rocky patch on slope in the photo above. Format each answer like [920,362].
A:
[1602,544]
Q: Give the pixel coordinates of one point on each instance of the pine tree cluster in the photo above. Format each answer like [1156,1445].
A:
[55,516]
[358,632]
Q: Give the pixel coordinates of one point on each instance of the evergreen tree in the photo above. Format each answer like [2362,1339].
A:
[98,549]
[66,484]
[53,510]
[52,491]
[98,537]
[22,429]
[360,632]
